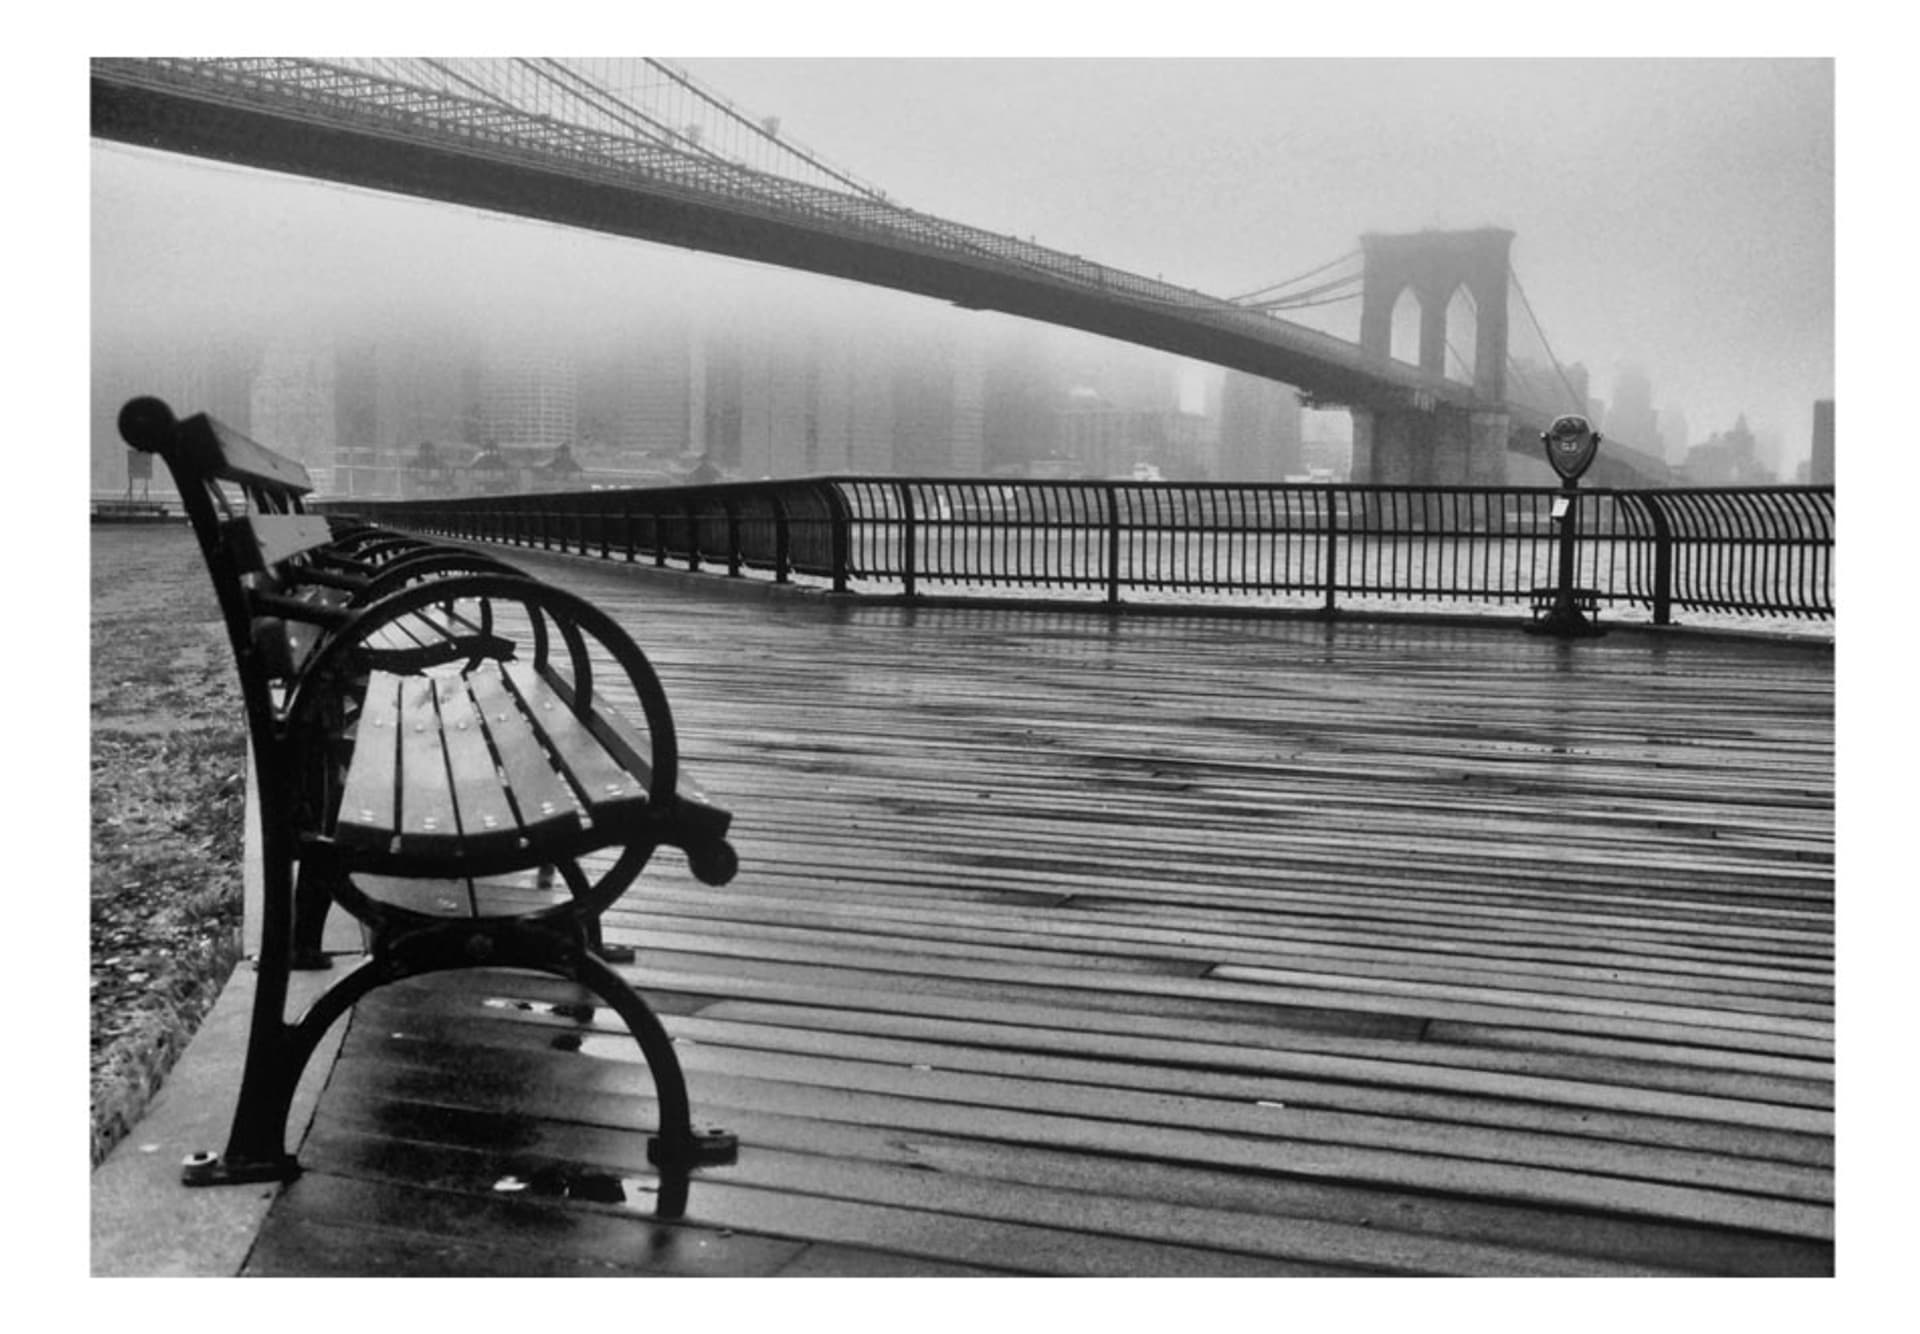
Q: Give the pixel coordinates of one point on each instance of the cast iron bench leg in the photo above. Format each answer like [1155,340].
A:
[311,902]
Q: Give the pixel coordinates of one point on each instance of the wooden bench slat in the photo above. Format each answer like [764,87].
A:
[480,798]
[208,445]
[366,817]
[541,797]
[426,813]
[269,539]
[606,785]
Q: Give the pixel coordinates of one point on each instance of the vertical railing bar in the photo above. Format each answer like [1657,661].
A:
[908,554]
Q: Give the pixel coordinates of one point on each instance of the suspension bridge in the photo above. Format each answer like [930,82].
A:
[639,148]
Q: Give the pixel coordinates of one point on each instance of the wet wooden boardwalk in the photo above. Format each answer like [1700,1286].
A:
[1069,945]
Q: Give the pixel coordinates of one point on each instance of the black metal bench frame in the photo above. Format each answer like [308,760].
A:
[305,600]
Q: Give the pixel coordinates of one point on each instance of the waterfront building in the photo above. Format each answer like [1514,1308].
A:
[293,401]
[1260,430]
[1675,435]
[528,395]
[1820,466]
[1630,418]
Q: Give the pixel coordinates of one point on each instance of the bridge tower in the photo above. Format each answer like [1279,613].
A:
[1434,444]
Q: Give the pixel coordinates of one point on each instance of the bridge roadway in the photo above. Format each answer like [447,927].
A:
[1075,945]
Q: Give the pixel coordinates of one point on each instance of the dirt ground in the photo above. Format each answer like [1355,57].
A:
[168,799]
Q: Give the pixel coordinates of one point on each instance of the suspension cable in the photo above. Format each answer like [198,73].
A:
[727,109]
[1306,305]
[471,85]
[1298,277]
[1304,296]
[1513,277]
[571,81]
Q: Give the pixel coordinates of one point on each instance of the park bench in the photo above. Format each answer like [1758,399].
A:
[434,734]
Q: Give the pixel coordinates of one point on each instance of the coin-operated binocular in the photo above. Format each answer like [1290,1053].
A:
[1571,443]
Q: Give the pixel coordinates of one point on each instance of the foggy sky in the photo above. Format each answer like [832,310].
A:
[1674,214]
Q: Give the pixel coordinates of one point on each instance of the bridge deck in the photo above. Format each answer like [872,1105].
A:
[1156,946]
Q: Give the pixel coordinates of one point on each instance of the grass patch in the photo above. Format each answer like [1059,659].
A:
[168,809]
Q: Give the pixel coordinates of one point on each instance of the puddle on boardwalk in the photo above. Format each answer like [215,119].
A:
[560,1183]
[579,1011]
[613,1045]
[638,1194]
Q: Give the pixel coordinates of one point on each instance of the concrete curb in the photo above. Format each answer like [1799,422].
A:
[144,1221]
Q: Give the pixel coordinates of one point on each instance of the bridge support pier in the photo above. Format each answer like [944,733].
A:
[1439,446]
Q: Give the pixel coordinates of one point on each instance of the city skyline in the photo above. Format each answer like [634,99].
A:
[684,389]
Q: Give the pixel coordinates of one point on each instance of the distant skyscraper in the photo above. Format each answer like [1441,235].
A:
[400,393]
[1259,430]
[1820,470]
[637,398]
[529,396]
[1553,389]
[1021,395]
[938,394]
[852,423]
[1630,418]
[293,402]
[1674,434]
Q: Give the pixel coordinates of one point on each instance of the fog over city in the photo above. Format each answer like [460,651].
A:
[1671,215]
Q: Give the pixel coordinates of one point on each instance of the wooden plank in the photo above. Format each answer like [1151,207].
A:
[603,783]
[212,446]
[1012,1247]
[1234,1042]
[1235,1110]
[541,797]
[539,1082]
[959,921]
[1508,1238]
[427,823]
[368,814]
[1369,1078]
[1581,1111]
[486,816]
[375,1227]
[278,537]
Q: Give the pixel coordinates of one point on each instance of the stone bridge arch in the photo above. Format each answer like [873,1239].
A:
[1433,266]
[1438,445]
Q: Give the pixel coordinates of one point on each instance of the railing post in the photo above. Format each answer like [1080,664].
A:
[1332,546]
[693,535]
[733,535]
[907,552]
[782,540]
[840,535]
[1662,560]
[1113,544]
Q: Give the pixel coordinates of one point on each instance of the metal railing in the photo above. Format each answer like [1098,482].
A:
[1759,551]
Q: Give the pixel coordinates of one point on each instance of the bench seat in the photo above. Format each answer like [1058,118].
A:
[480,765]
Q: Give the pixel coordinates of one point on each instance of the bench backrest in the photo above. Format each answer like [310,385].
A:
[247,508]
